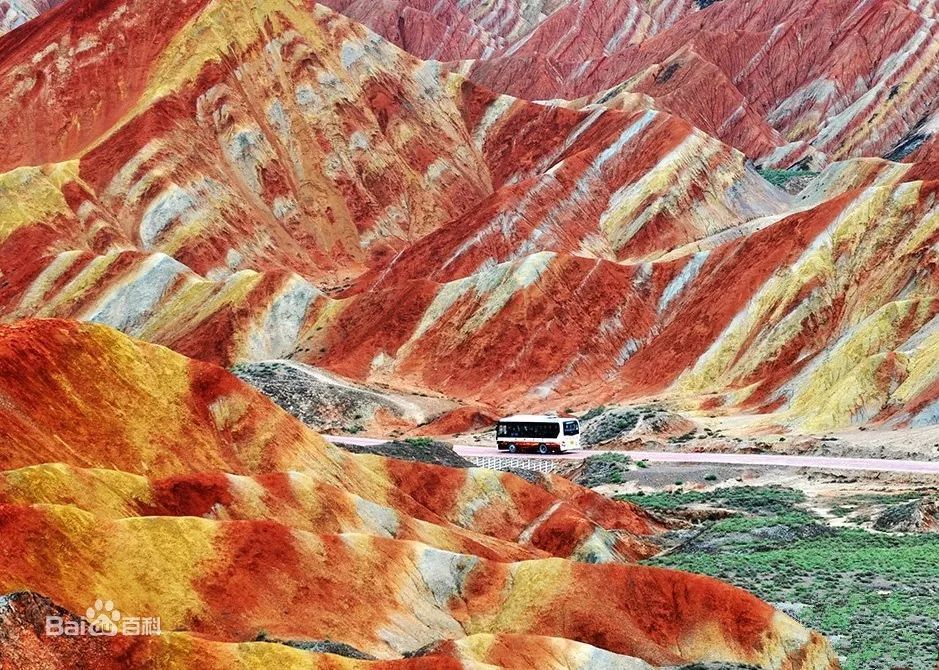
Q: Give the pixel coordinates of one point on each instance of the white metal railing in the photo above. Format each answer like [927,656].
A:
[546,465]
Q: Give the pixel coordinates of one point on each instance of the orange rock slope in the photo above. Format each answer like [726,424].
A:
[133,474]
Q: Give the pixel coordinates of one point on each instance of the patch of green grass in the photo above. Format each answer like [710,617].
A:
[879,593]
[762,500]
[781,177]
[747,523]
[613,458]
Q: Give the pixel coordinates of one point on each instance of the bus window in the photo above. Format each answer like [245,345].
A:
[528,430]
[548,430]
[571,428]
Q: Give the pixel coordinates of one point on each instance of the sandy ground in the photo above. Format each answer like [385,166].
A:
[906,443]
[824,491]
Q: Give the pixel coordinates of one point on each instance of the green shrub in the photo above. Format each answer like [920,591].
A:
[419,441]
[780,178]
[593,413]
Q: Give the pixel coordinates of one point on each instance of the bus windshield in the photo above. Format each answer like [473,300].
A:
[571,428]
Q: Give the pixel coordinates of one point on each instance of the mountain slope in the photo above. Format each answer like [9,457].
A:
[238,556]
[790,83]
[208,420]
[276,182]
[785,83]
[219,151]
[23,614]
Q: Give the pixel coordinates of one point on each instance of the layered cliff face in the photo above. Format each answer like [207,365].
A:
[170,487]
[277,182]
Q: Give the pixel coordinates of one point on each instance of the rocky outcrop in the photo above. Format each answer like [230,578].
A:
[916,516]
[421,449]
[329,403]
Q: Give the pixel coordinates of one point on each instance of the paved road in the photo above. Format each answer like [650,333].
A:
[816,462]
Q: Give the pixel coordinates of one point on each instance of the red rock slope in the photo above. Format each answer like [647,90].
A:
[782,81]
[219,164]
[275,181]
[134,474]
[294,143]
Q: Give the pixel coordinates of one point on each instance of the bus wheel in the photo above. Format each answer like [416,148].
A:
[542,449]
[513,449]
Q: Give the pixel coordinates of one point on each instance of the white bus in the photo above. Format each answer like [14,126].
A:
[542,433]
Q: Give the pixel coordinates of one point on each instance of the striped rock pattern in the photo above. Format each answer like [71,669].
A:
[566,31]
[808,82]
[240,524]
[833,325]
[222,425]
[786,83]
[21,614]
[248,173]
[296,183]
[245,183]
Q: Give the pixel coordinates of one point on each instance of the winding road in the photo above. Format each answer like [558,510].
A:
[772,460]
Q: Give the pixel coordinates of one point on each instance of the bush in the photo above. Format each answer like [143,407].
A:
[593,413]
[780,178]
[602,469]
